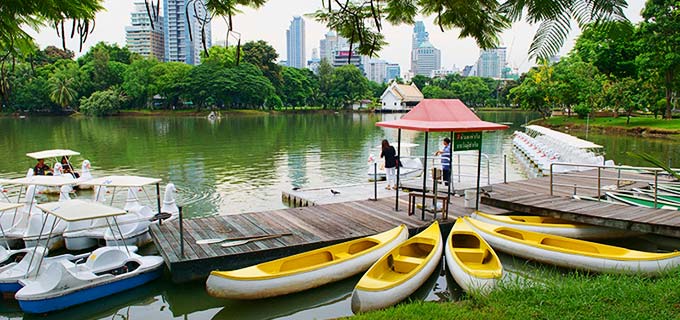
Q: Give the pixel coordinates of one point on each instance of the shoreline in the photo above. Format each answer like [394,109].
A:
[572,124]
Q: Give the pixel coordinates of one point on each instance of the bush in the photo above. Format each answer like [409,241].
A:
[582,110]
[102,103]
[273,103]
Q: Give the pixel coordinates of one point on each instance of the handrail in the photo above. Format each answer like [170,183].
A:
[600,178]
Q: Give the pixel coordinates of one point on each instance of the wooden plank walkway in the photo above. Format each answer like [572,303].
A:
[312,227]
[532,196]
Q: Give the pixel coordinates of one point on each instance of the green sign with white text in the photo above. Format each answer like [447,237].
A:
[463,141]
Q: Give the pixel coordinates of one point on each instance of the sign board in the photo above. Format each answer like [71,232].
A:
[463,141]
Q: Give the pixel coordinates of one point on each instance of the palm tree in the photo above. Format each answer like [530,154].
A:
[61,89]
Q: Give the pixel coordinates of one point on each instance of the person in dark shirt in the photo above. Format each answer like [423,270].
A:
[41,169]
[67,168]
[390,156]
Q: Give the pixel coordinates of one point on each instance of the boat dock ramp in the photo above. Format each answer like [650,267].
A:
[328,218]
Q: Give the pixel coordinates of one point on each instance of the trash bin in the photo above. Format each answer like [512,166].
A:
[470,198]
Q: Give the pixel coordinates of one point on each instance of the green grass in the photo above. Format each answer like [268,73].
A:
[571,296]
[636,123]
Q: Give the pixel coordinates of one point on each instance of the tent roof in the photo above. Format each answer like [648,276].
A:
[121,181]
[441,115]
[52,154]
[48,181]
[76,210]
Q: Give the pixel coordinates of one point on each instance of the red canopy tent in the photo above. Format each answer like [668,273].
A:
[440,115]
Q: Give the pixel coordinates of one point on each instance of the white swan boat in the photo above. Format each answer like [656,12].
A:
[399,272]
[27,224]
[134,226]
[106,271]
[574,253]
[471,260]
[411,167]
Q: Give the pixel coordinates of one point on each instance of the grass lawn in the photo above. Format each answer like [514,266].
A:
[572,296]
[642,122]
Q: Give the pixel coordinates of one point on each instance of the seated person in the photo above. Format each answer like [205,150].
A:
[67,168]
[41,169]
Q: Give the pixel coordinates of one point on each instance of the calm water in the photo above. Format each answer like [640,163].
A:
[241,164]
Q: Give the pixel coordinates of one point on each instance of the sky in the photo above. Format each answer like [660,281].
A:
[271,21]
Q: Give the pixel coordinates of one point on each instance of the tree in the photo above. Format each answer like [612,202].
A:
[611,48]
[325,73]
[102,103]
[347,86]
[420,81]
[225,57]
[661,40]
[169,81]
[63,85]
[533,93]
[137,80]
[436,92]
[296,89]
[622,94]
[262,55]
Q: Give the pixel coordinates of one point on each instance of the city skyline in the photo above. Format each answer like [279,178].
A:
[278,14]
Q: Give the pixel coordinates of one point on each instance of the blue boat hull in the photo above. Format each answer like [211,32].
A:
[89,294]
[10,287]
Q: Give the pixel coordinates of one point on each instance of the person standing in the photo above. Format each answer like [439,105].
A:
[446,160]
[390,156]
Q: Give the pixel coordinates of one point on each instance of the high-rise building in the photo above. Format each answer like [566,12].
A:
[491,63]
[392,71]
[376,70]
[427,59]
[468,71]
[419,36]
[313,64]
[179,46]
[295,43]
[330,44]
[141,38]
[345,57]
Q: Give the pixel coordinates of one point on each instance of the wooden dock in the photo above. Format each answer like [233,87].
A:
[532,196]
[325,224]
[312,227]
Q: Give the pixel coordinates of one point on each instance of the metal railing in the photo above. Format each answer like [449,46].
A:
[458,166]
[656,172]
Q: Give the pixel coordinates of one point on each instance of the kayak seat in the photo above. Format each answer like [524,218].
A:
[471,255]
[416,250]
[510,233]
[306,261]
[341,255]
[405,264]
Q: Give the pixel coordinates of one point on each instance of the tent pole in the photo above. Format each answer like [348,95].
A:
[479,170]
[448,194]
[422,214]
[396,200]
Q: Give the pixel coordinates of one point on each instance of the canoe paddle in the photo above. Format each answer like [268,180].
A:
[218,240]
[240,242]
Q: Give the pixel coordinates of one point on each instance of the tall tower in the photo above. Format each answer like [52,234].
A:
[178,45]
[295,43]
[491,63]
[141,38]
[419,37]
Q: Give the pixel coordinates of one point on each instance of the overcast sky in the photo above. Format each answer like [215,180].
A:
[270,23]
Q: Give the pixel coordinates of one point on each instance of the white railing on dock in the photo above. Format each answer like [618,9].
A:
[656,173]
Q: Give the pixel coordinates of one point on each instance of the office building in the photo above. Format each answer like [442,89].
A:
[427,59]
[141,38]
[295,43]
[343,57]
[330,44]
[491,63]
[392,71]
[179,45]
[376,70]
[419,36]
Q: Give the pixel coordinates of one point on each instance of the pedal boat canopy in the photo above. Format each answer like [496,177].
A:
[121,181]
[77,210]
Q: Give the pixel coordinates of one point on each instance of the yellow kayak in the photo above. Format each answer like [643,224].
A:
[558,227]
[472,262]
[573,253]
[305,270]
[400,272]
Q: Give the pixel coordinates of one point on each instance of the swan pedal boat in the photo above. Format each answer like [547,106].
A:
[305,270]
[106,271]
[574,253]
[400,272]
[555,226]
[471,260]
